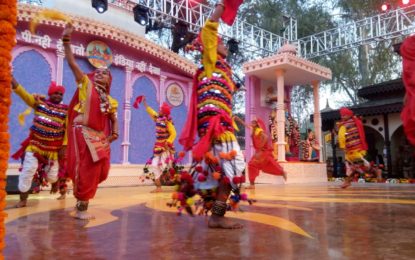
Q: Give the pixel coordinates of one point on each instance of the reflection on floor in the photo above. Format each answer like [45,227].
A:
[375,221]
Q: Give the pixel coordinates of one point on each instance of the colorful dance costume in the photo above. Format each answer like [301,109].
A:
[407,51]
[163,151]
[88,152]
[263,159]
[217,156]
[47,136]
[352,140]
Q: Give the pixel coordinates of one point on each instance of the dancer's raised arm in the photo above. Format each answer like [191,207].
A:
[217,13]
[237,119]
[66,38]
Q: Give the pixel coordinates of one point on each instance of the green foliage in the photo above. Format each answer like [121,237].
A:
[352,68]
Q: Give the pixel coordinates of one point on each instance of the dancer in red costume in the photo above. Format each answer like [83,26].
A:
[262,160]
[407,52]
[92,126]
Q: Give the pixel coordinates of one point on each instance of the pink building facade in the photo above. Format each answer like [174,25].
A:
[139,67]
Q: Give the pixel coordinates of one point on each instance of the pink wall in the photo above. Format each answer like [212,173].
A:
[254,108]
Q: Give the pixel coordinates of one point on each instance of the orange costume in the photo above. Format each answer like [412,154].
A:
[88,151]
[262,160]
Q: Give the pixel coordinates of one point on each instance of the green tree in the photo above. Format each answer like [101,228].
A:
[366,64]
[311,18]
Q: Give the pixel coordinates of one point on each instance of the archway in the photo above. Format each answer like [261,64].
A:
[401,151]
[376,144]
[142,127]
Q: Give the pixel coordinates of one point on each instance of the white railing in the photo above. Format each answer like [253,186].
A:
[385,26]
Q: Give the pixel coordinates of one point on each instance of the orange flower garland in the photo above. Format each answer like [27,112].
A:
[8,21]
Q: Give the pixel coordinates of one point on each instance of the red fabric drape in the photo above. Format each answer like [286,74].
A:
[215,130]
[407,51]
[188,134]
[362,134]
[360,128]
[231,9]
[19,154]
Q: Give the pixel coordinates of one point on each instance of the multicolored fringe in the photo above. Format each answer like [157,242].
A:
[168,173]
[183,197]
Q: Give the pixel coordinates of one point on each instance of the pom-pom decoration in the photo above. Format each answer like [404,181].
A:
[47,14]
[217,175]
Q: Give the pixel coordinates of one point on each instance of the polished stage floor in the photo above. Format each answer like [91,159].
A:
[366,221]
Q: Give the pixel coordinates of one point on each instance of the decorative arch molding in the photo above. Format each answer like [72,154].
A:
[394,128]
[397,129]
[50,59]
[92,27]
[153,80]
[376,130]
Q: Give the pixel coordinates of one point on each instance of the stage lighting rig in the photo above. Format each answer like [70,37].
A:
[141,14]
[233,46]
[100,5]
[385,7]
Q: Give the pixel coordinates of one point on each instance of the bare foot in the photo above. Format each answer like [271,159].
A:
[84,215]
[284,175]
[250,187]
[61,197]
[21,204]
[222,222]
[156,190]
[345,185]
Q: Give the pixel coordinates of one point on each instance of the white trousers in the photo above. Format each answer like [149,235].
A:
[158,164]
[30,165]
[232,168]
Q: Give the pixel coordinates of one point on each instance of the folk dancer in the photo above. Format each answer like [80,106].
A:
[47,140]
[92,126]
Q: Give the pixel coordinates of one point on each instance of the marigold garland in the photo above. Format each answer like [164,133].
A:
[8,21]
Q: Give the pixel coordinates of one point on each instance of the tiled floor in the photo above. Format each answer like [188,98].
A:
[373,221]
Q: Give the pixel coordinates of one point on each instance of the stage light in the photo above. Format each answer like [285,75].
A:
[100,5]
[385,7]
[405,2]
[180,36]
[141,14]
[233,46]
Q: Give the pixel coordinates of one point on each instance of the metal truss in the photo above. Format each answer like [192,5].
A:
[251,39]
[255,42]
[385,26]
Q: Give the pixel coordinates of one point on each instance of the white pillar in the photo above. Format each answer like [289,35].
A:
[280,115]
[251,82]
[59,67]
[317,117]
[162,90]
[127,116]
